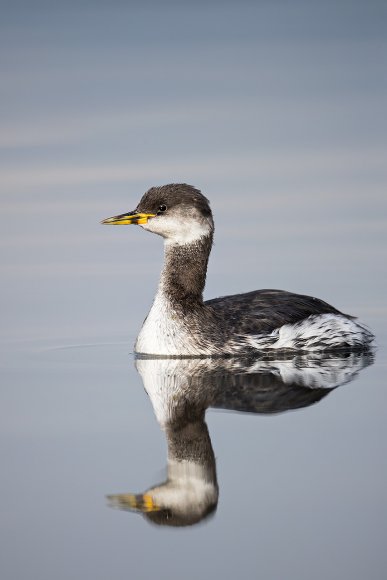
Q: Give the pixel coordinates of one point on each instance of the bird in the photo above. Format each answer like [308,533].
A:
[181,324]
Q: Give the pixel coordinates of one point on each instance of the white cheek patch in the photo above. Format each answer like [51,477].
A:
[179,231]
[189,489]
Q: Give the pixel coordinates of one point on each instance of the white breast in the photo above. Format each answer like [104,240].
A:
[164,333]
[161,331]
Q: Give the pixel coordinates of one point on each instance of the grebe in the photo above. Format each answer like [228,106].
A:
[180,324]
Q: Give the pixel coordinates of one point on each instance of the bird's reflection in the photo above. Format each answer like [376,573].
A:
[182,389]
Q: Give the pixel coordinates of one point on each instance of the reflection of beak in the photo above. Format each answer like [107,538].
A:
[127,501]
[132,217]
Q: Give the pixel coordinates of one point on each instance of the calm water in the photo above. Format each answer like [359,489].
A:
[288,481]
[277,112]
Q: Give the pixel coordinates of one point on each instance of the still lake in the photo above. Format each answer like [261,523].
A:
[291,474]
[277,112]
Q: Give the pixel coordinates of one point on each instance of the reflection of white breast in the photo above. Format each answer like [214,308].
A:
[165,381]
[172,383]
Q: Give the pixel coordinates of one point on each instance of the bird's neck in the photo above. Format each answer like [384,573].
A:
[184,274]
[190,450]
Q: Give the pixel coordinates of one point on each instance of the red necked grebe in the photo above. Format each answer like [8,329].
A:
[181,324]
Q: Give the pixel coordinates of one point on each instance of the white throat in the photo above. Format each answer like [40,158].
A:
[179,231]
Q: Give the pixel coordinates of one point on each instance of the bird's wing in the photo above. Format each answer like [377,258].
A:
[262,311]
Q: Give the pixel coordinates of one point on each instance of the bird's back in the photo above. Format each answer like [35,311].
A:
[262,311]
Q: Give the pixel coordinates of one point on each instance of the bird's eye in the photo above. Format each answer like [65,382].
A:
[162,209]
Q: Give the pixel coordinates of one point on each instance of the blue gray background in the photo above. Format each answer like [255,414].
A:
[277,111]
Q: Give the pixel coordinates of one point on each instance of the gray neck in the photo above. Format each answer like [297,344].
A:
[184,273]
[190,441]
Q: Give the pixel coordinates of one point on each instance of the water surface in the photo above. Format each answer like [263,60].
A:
[277,113]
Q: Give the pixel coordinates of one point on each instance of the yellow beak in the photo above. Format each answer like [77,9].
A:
[131,217]
[127,501]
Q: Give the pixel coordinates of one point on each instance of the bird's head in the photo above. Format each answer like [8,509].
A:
[178,212]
